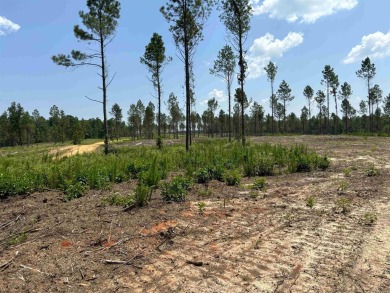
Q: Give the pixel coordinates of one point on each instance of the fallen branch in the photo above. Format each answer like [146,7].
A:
[9,222]
[35,270]
[5,265]
[196,263]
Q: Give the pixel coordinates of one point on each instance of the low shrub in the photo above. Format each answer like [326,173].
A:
[259,183]
[232,177]
[176,189]
[74,190]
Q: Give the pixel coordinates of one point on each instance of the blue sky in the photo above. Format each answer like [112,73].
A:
[300,36]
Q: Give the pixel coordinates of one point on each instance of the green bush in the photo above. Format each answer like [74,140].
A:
[203,175]
[176,189]
[303,164]
[372,171]
[324,163]
[142,195]
[310,201]
[74,190]
[259,184]
[232,177]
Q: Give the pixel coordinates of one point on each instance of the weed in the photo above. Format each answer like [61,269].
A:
[201,206]
[310,201]
[118,199]
[372,171]
[343,204]
[159,143]
[74,190]
[17,239]
[369,218]
[203,175]
[259,184]
[205,192]
[232,177]
[175,190]
[303,164]
[152,176]
[342,188]
[324,163]
[142,195]
[347,172]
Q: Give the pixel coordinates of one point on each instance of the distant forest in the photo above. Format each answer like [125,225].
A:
[19,127]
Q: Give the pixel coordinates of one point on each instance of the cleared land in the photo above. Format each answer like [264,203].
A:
[243,241]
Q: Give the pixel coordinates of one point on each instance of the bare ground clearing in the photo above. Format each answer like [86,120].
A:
[240,243]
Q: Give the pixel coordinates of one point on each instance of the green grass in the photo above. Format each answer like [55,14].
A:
[33,169]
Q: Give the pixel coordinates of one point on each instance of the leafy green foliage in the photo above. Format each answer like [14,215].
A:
[310,201]
[259,184]
[369,218]
[142,195]
[343,204]
[118,199]
[176,189]
[372,171]
[74,190]
[232,177]
[207,160]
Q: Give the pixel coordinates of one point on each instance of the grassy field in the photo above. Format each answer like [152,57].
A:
[219,219]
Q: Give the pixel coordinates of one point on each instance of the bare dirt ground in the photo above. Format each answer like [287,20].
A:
[72,150]
[240,243]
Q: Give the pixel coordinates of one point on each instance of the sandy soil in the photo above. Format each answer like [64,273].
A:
[72,150]
[240,243]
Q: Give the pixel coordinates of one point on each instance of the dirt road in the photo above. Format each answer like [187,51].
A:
[75,149]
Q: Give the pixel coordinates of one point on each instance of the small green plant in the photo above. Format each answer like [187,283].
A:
[74,190]
[259,184]
[347,172]
[175,190]
[324,163]
[16,239]
[159,143]
[342,188]
[369,218]
[343,204]
[117,199]
[152,176]
[201,206]
[205,192]
[303,164]
[142,195]
[232,177]
[203,175]
[310,201]
[372,171]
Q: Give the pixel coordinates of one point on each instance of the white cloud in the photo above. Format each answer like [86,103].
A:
[219,95]
[266,48]
[376,45]
[7,26]
[305,11]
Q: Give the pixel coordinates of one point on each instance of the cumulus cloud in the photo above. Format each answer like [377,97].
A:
[376,45]
[307,11]
[219,95]
[267,47]
[7,26]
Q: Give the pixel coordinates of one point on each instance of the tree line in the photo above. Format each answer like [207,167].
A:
[19,127]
